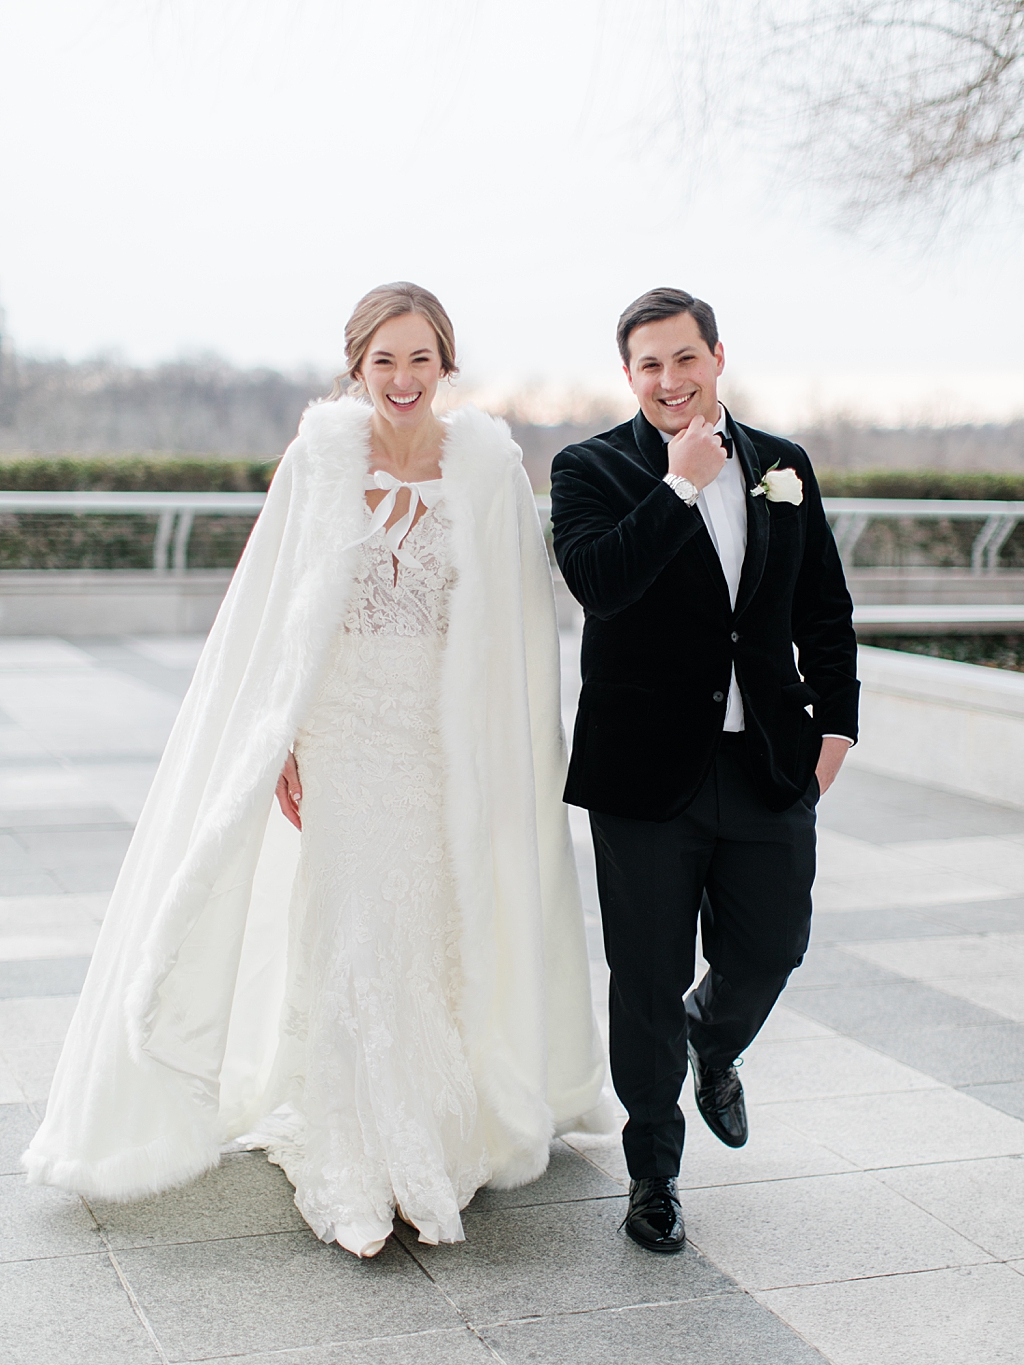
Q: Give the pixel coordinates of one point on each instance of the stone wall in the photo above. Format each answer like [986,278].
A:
[943,724]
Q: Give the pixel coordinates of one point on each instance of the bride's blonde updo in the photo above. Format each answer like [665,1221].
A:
[380,305]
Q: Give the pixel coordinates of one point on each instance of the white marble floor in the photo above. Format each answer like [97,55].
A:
[873,1219]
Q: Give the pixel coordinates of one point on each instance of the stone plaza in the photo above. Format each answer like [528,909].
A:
[874,1218]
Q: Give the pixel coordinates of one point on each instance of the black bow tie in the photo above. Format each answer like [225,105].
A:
[727,443]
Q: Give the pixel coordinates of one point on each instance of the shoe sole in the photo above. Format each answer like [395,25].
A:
[647,1246]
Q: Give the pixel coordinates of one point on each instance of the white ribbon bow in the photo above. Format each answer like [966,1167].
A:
[429,493]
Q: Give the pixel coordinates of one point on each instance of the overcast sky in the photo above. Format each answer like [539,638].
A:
[183,176]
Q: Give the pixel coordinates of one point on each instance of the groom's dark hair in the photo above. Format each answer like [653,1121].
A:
[665,303]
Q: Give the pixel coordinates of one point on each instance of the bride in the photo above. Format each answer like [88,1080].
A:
[395,1001]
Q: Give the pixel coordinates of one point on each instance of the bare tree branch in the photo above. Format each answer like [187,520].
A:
[909,104]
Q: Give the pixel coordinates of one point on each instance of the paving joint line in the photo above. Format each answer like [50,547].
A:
[957,1232]
[789,1327]
[451,1302]
[885,1275]
[57,1256]
[590,1162]
[643,1304]
[547,1203]
[209,1241]
[866,1094]
[324,1345]
[857,1170]
[137,1308]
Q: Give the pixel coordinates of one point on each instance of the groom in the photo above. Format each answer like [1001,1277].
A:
[719,700]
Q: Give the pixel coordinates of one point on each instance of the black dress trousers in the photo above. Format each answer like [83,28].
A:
[746,873]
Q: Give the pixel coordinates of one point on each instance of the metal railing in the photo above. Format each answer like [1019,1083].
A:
[175,514]
[930,618]
[851,516]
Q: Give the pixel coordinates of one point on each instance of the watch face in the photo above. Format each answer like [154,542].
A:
[683,488]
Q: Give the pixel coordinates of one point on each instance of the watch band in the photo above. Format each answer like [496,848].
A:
[683,488]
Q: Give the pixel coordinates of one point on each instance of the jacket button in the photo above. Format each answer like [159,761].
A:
[718,696]
[734,636]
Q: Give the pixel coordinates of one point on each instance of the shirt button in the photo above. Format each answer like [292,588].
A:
[734,636]
[718,696]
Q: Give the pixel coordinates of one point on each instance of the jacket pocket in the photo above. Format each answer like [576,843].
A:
[799,694]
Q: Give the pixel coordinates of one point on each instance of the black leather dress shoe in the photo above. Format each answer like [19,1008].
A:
[720,1100]
[655,1220]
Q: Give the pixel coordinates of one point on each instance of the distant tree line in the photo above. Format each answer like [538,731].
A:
[840,443]
[209,407]
[205,405]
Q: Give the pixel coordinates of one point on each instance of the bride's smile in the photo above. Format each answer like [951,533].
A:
[400,374]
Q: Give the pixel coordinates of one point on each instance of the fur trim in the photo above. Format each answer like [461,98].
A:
[327,463]
[127,1176]
[601,1121]
[512,1170]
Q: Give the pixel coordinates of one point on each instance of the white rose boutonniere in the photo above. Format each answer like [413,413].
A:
[780,485]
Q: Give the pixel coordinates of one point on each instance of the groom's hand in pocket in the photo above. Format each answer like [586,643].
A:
[830,760]
[696,453]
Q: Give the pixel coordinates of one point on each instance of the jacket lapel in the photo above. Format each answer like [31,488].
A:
[653,450]
[654,455]
[758,524]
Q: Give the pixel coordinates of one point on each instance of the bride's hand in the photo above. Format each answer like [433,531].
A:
[289,791]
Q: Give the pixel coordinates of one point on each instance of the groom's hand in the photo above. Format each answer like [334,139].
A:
[833,751]
[696,453]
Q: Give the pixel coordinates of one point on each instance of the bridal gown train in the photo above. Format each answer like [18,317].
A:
[382,1109]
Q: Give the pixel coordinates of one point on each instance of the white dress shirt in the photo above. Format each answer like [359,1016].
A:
[723,505]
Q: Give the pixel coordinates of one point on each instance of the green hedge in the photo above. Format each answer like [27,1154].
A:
[46,540]
[135,474]
[200,473]
[920,483]
[991,651]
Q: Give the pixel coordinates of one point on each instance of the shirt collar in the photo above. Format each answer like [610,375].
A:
[720,426]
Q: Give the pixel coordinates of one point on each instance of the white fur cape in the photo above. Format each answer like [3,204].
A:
[170,1052]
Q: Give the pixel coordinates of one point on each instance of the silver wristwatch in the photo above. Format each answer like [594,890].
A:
[683,488]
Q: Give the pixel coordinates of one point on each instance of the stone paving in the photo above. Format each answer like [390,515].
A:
[873,1219]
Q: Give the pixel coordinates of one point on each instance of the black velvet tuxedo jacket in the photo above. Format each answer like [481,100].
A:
[660,638]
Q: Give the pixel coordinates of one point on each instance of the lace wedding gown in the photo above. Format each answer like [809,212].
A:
[382,1111]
